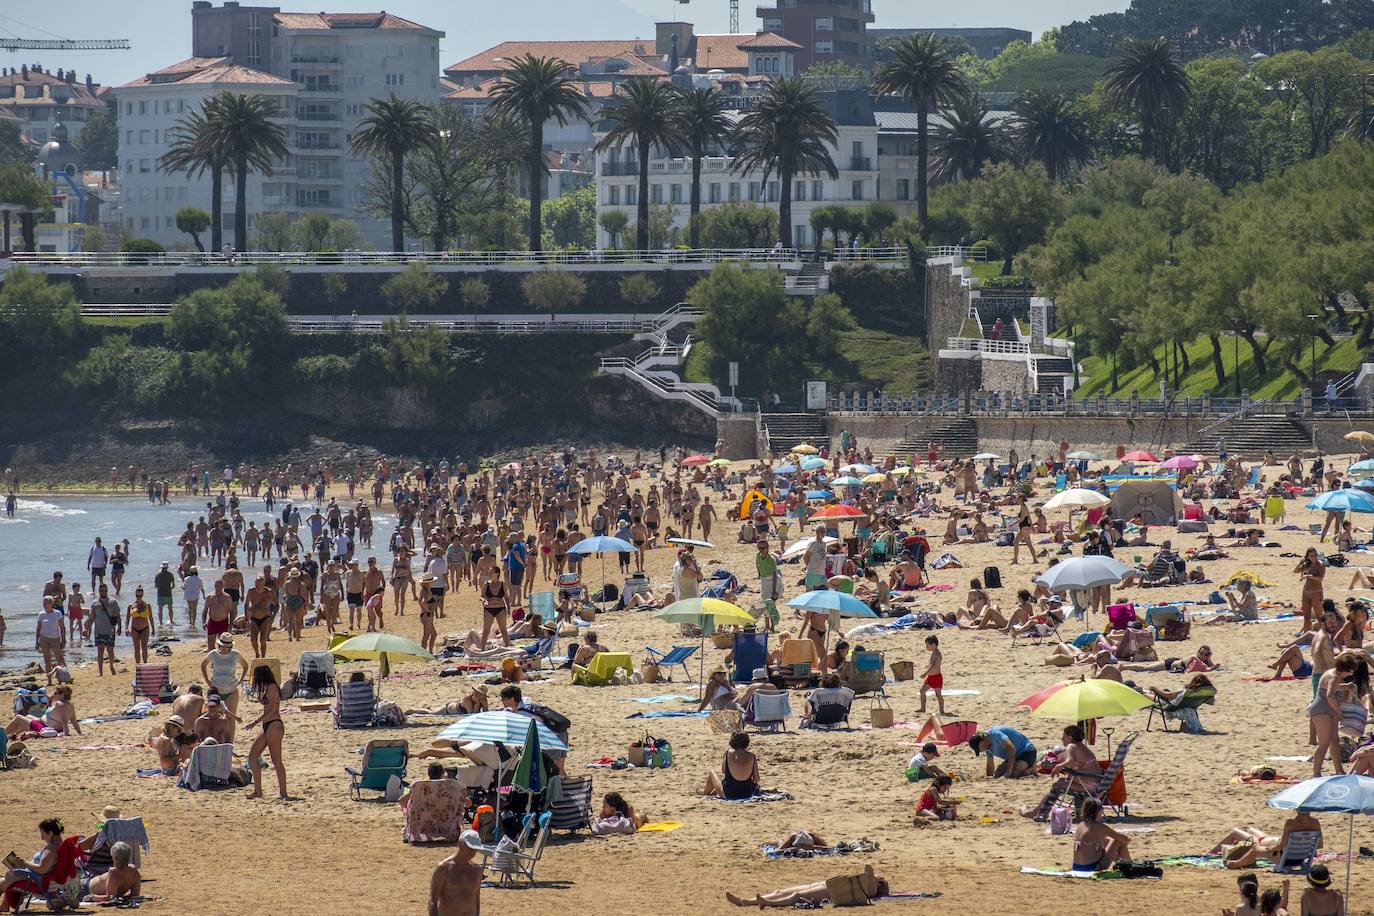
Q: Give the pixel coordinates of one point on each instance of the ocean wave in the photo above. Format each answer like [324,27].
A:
[5,520]
[39,507]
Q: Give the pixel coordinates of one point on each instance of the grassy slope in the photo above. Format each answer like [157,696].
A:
[900,365]
[1097,372]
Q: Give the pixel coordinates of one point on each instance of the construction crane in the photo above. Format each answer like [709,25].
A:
[734,15]
[63,44]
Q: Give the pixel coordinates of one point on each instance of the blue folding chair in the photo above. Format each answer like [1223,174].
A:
[751,651]
[678,656]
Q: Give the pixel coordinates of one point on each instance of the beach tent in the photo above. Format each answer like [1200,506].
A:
[1155,500]
[746,506]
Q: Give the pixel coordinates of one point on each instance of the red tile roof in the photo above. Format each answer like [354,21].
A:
[80,95]
[382,20]
[768,40]
[720,52]
[200,70]
[592,89]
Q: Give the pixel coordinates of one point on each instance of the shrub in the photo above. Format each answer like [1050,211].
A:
[886,300]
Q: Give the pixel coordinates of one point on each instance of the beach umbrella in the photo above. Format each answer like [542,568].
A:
[806,449]
[1180,463]
[1093,698]
[819,494]
[1365,467]
[1083,573]
[691,460]
[1359,435]
[1139,456]
[832,600]
[1033,701]
[602,544]
[785,469]
[987,456]
[838,511]
[1348,500]
[1366,484]
[875,478]
[798,548]
[812,464]
[500,726]
[707,614]
[1083,456]
[858,469]
[530,775]
[385,648]
[846,481]
[690,542]
[1076,498]
[1347,794]
[907,469]
[719,463]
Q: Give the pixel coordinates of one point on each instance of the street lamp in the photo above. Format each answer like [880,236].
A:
[1314,319]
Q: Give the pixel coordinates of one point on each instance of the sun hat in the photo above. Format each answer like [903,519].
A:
[178,721]
[225,640]
[1319,876]
[108,813]
[760,674]
[471,839]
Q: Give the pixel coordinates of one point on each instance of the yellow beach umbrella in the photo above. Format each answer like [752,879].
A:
[1094,698]
[385,647]
[874,478]
[805,449]
[1359,435]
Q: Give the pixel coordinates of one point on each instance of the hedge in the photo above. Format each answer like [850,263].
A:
[880,298]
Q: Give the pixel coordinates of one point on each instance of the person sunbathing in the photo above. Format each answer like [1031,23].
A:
[1244,606]
[1251,538]
[807,840]
[121,882]
[817,893]
[1021,615]
[1077,768]
[1097,847]
[1202,661]
[1244,846]
[531,627]
[60,716]
[617,816]
[475,701]
[1197,682]
[906,576]
[990,619]
[719,692]
[974,602]
[590,648]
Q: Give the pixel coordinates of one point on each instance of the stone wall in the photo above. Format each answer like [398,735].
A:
[737,436]
[947,304]
[958,373]
[1009,376]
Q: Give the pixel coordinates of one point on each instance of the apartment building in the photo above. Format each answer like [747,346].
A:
[321,68]
[823,30]
[37,99]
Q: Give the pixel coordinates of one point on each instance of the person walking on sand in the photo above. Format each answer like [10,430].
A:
[455,888]
[104,624]
[932,679]
[273,730]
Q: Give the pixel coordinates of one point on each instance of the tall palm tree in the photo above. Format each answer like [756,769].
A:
[965,141]
[921,70]
[535,90]
[701,120]
[1044,127]
[643,113]
[394,128]
[242,126]
[193,152]
[788,131]
[1149,80]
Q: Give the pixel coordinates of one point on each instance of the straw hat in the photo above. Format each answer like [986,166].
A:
[108,813]
[427,577]
[225,640]
[178,721]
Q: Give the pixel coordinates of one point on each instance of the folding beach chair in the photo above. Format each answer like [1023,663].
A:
[355,705]
[828,715]
[750,653]
[154,682]
[522,859]
[866,674]
[208,766]
[1184,708]
[315,674]
[768,712]
[382,759]
[668,660]
[600,671]
[1297,855]
[1109,789]
[59,889]
[1043,627]
[573,811]
[434,811]
[799,659]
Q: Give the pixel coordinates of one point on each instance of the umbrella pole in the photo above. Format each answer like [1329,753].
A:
[1349,848]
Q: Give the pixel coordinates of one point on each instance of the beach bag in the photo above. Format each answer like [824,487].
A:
[903,671]
[1146,869]
[1005,539]
[556,721]
[880,713]
[1061,820]
[650,672]
[389,714]
[658,753]
[846,890]
[992,577]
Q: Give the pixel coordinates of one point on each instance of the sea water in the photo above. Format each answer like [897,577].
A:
[57,533]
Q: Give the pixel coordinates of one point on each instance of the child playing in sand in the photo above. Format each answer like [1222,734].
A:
[932,679]
[933,805]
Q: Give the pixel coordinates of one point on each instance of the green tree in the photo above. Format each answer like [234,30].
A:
[1045,128]
[662,233]
[638,289]
[738,301]
[737,225]
[12,145]
[1148,80]
[552,290]
[417,356]
[317,232]
[393,129]
[644,115]
[414,288]
[1217,130]
[614,222]
[922,71]
[879,217]
[475,293]
[536,90]
[965,141]
[93,238]
[100,139]
[19,185]
[788,132]
[39,321]
[700,120]
[570,220]
[836,74]
[1014,207]
[193,221]
[1325,86]
[826,320]
[335,289]
[243,126]
[453,173]
[273,232]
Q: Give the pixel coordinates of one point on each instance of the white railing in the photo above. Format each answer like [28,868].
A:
[979,345]
[79,259]
[893,253]
[962,252]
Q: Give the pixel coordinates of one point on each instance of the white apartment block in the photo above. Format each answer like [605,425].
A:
[321,68]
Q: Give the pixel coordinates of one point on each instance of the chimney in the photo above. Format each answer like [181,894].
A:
[24,72]
[89,84]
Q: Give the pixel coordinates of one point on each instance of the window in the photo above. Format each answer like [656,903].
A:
[774,191]
[825,24]
[799,190]
[143,166]
[254,53]
[825,47]
[143,222]
[129,108]
[354,109]
[903,189]
[181,105]
[614,199]
[395,79]
[675,194]
[753,192]
[254,24]
[142,137]
[632,195]
[772,25]
[734,191]
[656,193]
[713,192]
[129,137]
[167,106]
[857,191]
[397,51]
[799,234]
[167,222]
[143,108]
[818,190]
[355,81]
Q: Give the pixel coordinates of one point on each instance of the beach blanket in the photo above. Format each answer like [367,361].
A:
[764,795]
[666,698]
[669,714]
[1069,873]
[1262,679]
[151,774]
[1291,758]
[862,844]
[660,827]
[433,812]
[938,587]
[121,717]
[962,692]
[1204,862]
[108,747]
[1245,779]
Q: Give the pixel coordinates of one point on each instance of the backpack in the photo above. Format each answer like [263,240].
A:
[1061,820]
[556,721]
[992,577]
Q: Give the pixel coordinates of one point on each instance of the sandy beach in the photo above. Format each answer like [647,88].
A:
[321,852]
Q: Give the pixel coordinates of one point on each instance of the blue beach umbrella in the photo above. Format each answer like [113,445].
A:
[1346,794]
[785,469]
[832,600]
[1350,500]
[819,494]
[603,545]
[846,481]
[812,464]
[1366,484]
[1362,467]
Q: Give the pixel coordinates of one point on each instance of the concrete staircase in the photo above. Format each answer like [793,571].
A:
[1253,436]
[1050,372]
[958,437]
[788,430]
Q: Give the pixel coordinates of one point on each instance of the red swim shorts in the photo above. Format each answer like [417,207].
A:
[216,627]
[935,681]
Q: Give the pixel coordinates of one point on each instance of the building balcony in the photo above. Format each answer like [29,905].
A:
[317,148]
[317,116]
[330,89]
[860,164]
[327,60]
[619,169]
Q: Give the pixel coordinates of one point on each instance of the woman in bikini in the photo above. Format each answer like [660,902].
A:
[293,600]
[560,551]
[1311,571]
[429,603]
[1097,847]
[139,623]
[1024,529]
[974,603]
[331,593]
[546,551]
[117,563]
[738,778]
[495,609]
[273,730]
[257,608]
[401,580]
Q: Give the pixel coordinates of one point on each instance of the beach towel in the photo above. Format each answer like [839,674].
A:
[1068,873]
[660,827]
[1245,779]
[151,774]
[1254,578]
[1206,861]
[764,795]
[1262,679]
[433,811]
[946,561]
[125,830]
[669,714]
[666,698]
[209,765]
[862,844]
[938,587]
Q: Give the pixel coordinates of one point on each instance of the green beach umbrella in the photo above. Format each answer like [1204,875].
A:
[529,773]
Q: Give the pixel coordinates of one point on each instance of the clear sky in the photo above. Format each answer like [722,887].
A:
[160,30]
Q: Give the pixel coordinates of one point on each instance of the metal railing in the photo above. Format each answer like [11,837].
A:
[987,403]
[890,254]
[962,252]
[860,164]
[476,324]
[397,258]
[980,345]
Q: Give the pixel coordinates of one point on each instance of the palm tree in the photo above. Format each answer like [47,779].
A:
[242,126]
[922,70]
[965,141]
[535,90]
[1148,79]
[788,131]
[1044,127]
[643,113]
[193,152]
[395,128]
[701,120]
